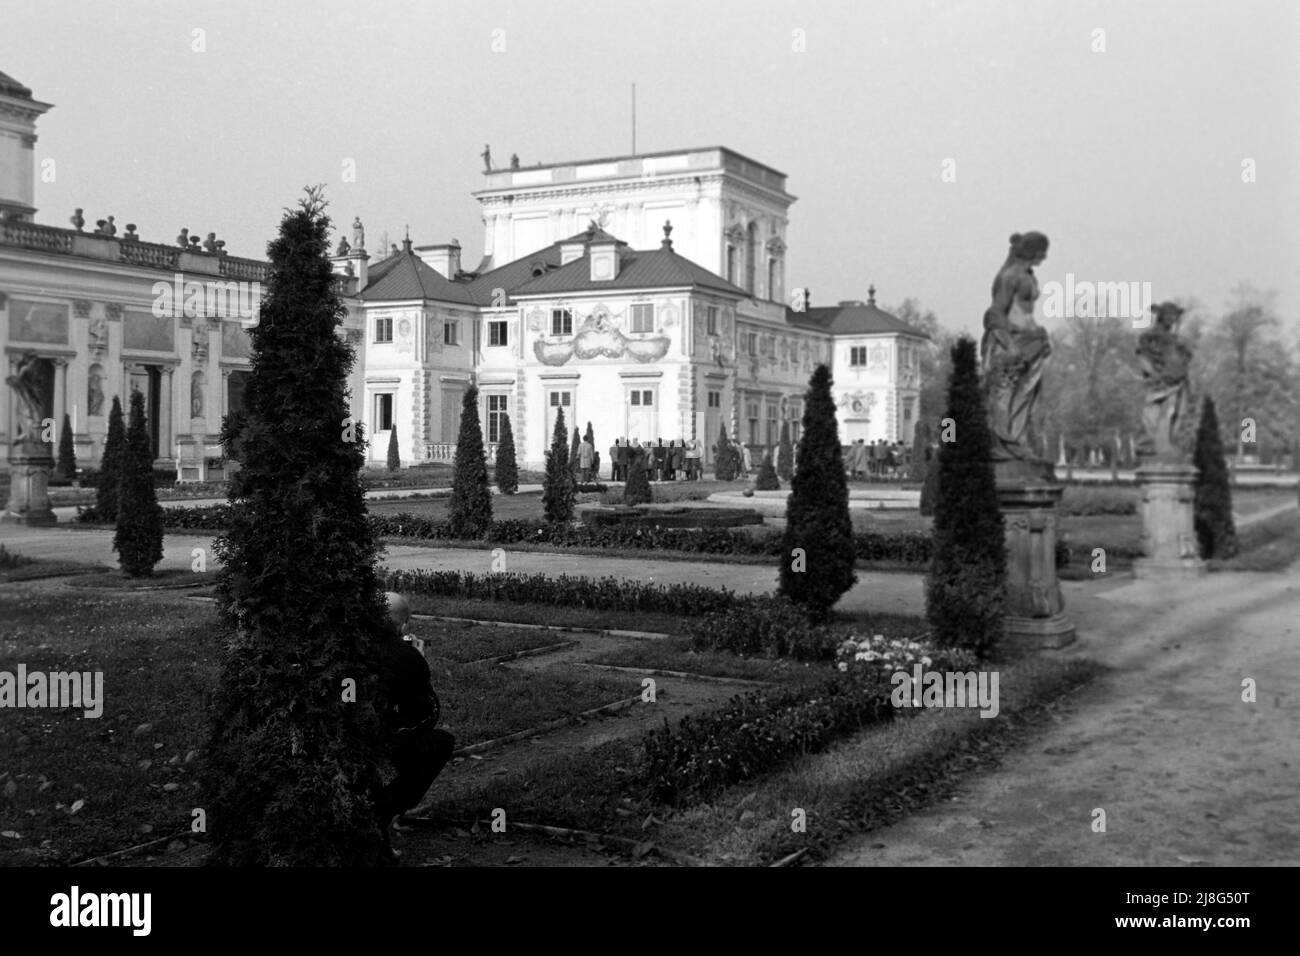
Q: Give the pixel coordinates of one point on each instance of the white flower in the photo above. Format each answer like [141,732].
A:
[843,666]
[926,661]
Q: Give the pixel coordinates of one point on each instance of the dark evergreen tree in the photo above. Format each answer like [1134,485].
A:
[930,484]
[965,590]
[138,539]
[767,480]
[1216,532]
[470,512]
[557,488]
[394,455]
[637,491]
[108,484]
[726,461]
[590,436]
[574,463]
[785,455]
[66,468]
[507,471]
[296,755]
[818,551]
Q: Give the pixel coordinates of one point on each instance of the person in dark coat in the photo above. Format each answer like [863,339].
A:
[621,461]
[409,712]
[658,459]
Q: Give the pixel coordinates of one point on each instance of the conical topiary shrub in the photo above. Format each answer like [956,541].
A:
[394,455]
[507,470]
[1216,532]
[726,463]
[297,754]
[767,480]
[965,590]
[138,539]
[469,513]
[574,463]
[557,487]
[108,484]
[66,468]
[637,491]
[817,547]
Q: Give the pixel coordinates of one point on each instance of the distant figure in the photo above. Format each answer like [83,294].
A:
[183,240]
[343,248]
[358,235]
[514,160]
[693,455]
[586,452]
[210,243]
[410,716]
[858,459]
[78,220]
[746,463]
[487,159]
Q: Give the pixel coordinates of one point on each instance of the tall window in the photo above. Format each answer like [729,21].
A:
[711,320]
[773,424]
[751,413]
[796,420]
[751,258]
[498,334]
[715,399]
[858,355]
[383,330]
[383,412]
[773,279]
[643,318]
[450,333]
[731,264]
[641,420]
[561,321]
[496,413]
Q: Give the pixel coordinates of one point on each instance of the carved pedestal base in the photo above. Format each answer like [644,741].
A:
[1168,535]
[1035,605]
[29,495]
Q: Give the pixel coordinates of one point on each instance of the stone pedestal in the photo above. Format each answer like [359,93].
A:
[1034,605]
[29,495]
[1168,535]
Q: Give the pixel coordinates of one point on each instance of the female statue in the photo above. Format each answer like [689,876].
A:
[1165,361]
[1014,349]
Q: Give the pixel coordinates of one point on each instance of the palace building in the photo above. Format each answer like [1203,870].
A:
[644,294]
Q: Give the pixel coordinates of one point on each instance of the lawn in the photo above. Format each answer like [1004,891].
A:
[466,642]
[73,787]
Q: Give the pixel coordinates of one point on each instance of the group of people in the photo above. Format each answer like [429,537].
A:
[678,460]
[880,459]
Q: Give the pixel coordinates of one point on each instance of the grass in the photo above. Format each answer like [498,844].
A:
[19,567]
[545,614]
[1271,545]
[11,559]
[133,766]
[864,781]
[676,654]
[165,578]
[465,642]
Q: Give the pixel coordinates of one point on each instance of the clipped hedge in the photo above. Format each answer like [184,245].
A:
[907,548]
[753,733]
[610,594]
[766,626]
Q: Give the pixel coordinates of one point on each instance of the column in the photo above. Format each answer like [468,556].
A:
[1034,603]
[60,397]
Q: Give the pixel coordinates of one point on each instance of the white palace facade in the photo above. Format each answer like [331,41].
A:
[644,294]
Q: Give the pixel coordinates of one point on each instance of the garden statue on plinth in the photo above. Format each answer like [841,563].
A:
[1013,353]
[1165,473]
[30,462]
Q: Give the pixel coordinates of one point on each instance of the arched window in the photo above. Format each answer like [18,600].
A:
[751,258]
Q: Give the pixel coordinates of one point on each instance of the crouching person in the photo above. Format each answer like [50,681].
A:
[418,749]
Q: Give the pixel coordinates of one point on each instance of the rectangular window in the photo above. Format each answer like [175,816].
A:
[773,425]
[383,330]
[497,334]
[496,413]
[451,333]
[557,400]
[561,321]
[711,320]
[643,318]
[858,355]
[383,411]
[715,399]
[796,420]
[751,413]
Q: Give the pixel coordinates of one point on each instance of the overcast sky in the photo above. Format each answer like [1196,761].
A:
[1130,159]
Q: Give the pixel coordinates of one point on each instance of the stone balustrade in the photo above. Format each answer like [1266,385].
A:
[445,451]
